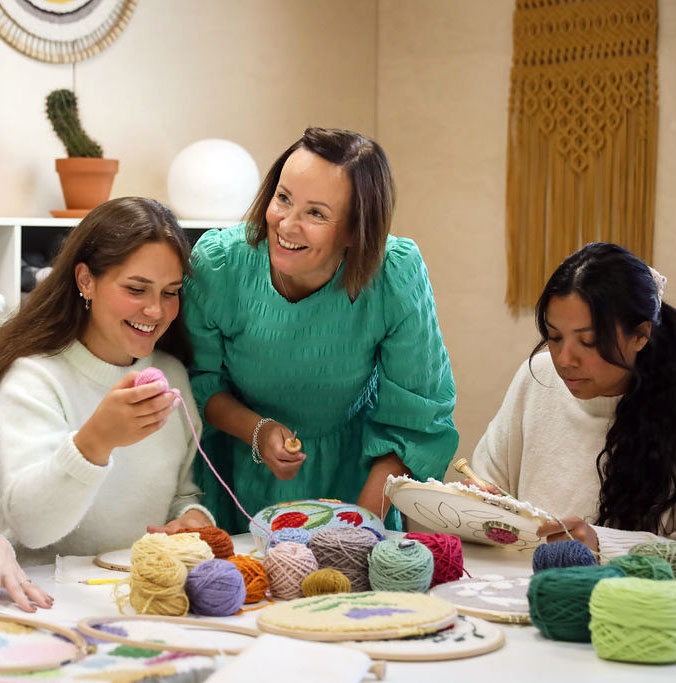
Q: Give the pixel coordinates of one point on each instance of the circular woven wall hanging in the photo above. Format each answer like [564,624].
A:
[63,31]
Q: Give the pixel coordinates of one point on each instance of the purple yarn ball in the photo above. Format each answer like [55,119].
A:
[290,534]
[562,554]
[215,588]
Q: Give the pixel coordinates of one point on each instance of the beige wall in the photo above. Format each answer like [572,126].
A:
[429,78]
[256,72]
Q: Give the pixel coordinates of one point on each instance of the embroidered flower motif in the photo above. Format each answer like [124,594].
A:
[289,519]
[350,517]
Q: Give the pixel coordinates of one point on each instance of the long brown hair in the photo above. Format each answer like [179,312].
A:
[371,205]
[54,314]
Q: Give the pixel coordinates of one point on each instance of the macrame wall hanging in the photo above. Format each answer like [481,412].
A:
[582,134]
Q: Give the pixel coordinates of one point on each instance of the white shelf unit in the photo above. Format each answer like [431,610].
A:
[11,230]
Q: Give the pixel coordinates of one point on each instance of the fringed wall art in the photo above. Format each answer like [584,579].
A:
[63,31]
[582,134]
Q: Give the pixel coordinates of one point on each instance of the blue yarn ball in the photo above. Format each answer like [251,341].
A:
[562,554]
[215,588]
[291,534]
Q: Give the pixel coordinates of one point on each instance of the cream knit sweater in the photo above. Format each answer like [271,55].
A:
[542,445]
[56,501]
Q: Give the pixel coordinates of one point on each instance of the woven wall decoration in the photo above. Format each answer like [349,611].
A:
[582,134]
[63,31]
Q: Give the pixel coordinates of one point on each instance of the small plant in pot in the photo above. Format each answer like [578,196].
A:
[86,177]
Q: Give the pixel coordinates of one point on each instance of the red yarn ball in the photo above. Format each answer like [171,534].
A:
[447,553]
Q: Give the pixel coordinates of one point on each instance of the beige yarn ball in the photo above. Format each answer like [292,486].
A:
[286,565]
[188,548]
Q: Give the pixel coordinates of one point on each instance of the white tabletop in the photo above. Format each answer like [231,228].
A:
[527,657]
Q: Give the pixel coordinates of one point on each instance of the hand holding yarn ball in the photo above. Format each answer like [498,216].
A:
[129,412]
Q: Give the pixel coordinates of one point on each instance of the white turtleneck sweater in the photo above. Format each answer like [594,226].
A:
[542,445]
[56,501]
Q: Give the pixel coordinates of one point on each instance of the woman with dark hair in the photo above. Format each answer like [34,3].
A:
[587,429]
[311,318]
[87,459]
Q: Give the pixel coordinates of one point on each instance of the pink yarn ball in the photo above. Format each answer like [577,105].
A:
[286,565]
[150,375]
[447,553]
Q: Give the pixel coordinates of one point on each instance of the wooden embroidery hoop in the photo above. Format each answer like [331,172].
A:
[88,627]
[101,560]
[448,591]
[467,513]
[75,638]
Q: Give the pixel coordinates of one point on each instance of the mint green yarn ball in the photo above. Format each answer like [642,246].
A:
[666,550]
[400,565]
[634,620]
[644,567]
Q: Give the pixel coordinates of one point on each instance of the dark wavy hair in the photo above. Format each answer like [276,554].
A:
[371,206]
[54,316]
[637,466]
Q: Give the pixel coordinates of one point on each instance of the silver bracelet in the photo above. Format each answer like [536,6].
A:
[255,453]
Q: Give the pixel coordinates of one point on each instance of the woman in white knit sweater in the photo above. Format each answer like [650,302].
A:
[587,430]
[88,461]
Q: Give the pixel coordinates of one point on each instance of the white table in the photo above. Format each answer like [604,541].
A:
[527,657]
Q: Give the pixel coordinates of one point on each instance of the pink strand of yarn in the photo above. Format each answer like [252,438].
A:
[150,375]
[447,553]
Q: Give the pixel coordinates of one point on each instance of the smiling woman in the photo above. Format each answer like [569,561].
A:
[311,317]
[68,360]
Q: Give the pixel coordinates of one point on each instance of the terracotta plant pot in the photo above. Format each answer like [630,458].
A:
[86,182]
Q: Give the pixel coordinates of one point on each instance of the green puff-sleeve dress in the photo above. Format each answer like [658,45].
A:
[356,380]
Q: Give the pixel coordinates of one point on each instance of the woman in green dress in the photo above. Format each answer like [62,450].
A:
[311,318]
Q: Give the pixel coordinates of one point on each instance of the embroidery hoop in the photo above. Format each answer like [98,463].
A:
[467,512]
[284,620]
[88,627]
[75,638]
[117,560]
[471,605]
[438,646]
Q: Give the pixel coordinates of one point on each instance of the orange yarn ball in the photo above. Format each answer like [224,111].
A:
[255,578]
[218,540]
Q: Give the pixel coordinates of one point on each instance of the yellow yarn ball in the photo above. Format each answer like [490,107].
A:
[159,566]
[188,548]
[155,586]
[325,581]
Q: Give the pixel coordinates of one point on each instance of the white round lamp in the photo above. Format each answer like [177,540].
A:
[212,180]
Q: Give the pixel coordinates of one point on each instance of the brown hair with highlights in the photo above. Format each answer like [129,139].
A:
[371,206]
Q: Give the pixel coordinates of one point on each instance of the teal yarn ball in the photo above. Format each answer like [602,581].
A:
[634,620]
[666,550]
[558,600]
[644,567]
[401,565]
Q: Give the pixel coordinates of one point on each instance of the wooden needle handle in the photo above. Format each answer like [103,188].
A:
[461,465]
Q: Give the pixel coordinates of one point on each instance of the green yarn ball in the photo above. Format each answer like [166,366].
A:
[400,565]
[666,550]
[558,600]
[644,567]
[634,620]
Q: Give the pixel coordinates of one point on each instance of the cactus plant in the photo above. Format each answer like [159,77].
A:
[63,115]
